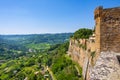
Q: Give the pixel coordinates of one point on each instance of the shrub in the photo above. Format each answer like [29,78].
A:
[82,33]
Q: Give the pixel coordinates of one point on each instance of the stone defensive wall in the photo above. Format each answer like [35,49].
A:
[99,56]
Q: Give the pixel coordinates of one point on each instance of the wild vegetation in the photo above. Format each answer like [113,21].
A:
[33,57]
[62,66]
[83,33]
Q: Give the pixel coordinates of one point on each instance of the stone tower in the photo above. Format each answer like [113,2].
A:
[107,29]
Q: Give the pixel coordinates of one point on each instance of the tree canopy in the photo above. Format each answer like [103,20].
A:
[82,33]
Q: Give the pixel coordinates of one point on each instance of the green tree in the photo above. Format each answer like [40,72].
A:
[82,33]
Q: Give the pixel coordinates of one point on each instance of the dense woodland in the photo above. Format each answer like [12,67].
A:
[38,57]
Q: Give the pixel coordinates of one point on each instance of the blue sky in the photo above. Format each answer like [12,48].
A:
[48,16]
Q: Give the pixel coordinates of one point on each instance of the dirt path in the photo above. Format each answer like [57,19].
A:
[51,73]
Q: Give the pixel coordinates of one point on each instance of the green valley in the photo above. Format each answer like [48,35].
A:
[37,57]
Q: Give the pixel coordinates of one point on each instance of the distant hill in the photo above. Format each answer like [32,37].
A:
[39,38]
[12,46]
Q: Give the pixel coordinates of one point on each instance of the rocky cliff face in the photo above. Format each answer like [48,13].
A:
[78,53]
[107,67]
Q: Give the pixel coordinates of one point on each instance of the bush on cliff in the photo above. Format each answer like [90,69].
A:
[62,66]
[82,33]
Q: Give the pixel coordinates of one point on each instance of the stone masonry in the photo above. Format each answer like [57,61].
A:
[107,29]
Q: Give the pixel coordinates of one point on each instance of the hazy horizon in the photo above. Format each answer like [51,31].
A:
[36,33]
[48,16]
